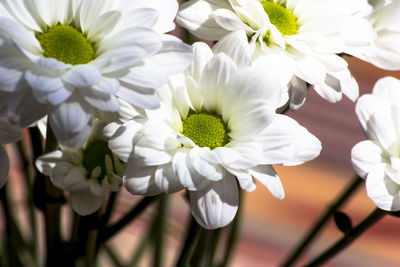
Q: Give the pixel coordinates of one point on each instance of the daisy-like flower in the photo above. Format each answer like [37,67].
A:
[216,122]
[385,51]
[378,159]
[88,172]
[8,134]
[301,38]
[73,58]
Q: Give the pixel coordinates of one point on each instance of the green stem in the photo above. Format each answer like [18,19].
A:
[114,257]
[91,247]
[53,200]
[234,235]
[373,218]
[131,215]
[13,238]
[309,237]
[139,250]
[159,228]
[192,237]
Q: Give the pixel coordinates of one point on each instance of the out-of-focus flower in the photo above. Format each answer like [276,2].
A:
[8,134]
[215,123]
[385,51]
[72,59]
[378,159]
[88,172]
[300,38]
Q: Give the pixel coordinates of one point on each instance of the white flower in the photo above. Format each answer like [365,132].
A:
[215,123]
[71,59]
[385,51]
[88,172]
[378,159]
[8,134]
[298,37]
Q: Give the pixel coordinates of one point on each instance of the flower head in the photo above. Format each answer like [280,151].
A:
[378,159]
[384,52]
[88,172]
[299,38]
[72,59]
[216,122]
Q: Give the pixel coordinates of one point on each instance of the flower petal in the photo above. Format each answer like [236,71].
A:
[270,179]
[139,180]
[216,205]
[382,190]
[365,156]
[85,203]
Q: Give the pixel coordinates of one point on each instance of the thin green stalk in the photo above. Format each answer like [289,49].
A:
[113,256]
[140,248]
[159,228]
[128,218]
[192,237]
[110,207]
[313,232]
[13,238]
[53,199]
[91,247]
[373,218]
[234,235]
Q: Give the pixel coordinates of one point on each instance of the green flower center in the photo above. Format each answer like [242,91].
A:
[66,44]
[94,155]
[205,130]
[282,18]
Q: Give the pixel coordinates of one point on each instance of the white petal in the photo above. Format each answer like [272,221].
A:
[365,156]
[173,57]
[270,179]
[298,93]
[187,175]
[121,142]
[195,16]
[216,205]
[214,78]
[286,142]
[139,97]
[85,203]
[139,180]
[205,162]
[382,190]
[83,75]
[236,46]
[202,54]
[166,179]
[47,162]
[4,166]
[76,179]
[23,109]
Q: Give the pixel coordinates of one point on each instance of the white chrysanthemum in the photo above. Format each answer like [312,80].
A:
[88,172]
[378,159]
[8,134]
[72,58]
[215,123]
[299,37]
[385,51]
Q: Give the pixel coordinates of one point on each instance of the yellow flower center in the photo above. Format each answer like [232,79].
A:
[282,18]
[205,130]
[66,44]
